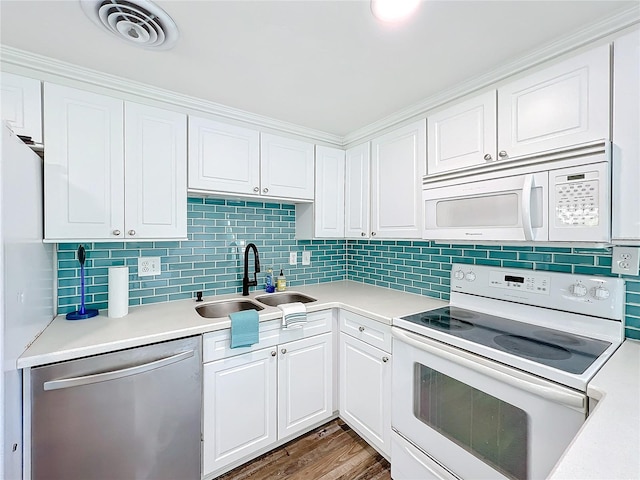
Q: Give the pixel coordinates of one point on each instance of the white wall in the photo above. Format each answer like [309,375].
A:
[26,284]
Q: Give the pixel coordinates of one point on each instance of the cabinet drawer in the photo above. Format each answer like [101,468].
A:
[370,331]
[217,345]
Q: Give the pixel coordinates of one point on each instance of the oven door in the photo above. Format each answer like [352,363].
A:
[508,208]
[479,418]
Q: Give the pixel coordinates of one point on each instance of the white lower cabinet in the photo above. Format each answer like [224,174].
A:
[365,388]
[239,409]
[254,400]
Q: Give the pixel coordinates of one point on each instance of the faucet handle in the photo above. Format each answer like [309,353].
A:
[198,296]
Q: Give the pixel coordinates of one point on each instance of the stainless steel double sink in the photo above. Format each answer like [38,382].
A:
[223,308]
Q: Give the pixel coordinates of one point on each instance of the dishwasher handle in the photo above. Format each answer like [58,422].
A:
[124,372]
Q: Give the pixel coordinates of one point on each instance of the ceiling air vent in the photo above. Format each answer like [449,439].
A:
[138,22]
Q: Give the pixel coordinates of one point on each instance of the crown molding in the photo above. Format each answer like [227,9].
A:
[50,66]
[596,31]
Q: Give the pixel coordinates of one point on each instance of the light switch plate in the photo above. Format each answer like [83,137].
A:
[625,260]
[306,257]
[293,258]
[148,266]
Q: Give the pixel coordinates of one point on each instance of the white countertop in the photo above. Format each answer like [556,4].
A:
[608,444]
[65,340]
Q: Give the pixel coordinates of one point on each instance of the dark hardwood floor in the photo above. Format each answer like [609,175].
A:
[330,452]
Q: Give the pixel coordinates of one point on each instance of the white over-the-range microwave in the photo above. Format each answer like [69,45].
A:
[559,197]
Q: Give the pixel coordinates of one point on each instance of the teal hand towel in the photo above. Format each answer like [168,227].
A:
[244,328]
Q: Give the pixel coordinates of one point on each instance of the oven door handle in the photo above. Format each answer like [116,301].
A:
[497,371]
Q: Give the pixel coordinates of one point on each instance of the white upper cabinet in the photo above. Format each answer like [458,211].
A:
[223,157]
[230,159]
[398,163]
[84,165]
[357,191]
[99,187]
[560,106]
[22,105]
[286,167]
[626,140]
[324,218]
[463,135]
[155,172]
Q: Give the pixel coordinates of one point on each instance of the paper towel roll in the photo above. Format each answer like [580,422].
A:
[118,291]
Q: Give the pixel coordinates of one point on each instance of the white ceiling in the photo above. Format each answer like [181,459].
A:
[326,65]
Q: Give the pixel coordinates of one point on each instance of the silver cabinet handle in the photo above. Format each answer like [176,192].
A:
[373,234]
[385,359]
[361,328]
[362,234]
[273,353]
[502,154]
[125,372]
[265,190]
[284,350]
[488,157]
[256,189]
[132,233]
[116,233]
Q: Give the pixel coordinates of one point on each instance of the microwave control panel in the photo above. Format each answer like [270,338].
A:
[577,199]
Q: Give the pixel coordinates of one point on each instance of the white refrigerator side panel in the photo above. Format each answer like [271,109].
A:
[27,281]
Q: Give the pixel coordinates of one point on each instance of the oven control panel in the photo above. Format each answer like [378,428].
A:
[528,282]
[586,294]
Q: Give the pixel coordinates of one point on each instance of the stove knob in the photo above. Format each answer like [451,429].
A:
[601,293]
[458,274]
[470,276]
[578,290]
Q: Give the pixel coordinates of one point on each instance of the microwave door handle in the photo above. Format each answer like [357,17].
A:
[494,370]
[526,207]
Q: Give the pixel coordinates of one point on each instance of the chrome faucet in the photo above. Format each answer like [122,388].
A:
[246,283]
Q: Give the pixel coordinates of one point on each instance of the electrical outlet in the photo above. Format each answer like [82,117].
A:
[148,266]
[306,257]
[625,260]
[293,258]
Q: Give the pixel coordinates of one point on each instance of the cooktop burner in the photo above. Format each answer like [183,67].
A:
[527,347]
[565,351]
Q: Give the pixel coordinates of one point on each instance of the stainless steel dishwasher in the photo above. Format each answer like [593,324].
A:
[131,414]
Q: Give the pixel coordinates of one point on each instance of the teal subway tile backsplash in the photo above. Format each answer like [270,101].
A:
[424,267]
[210,260]
[218,229]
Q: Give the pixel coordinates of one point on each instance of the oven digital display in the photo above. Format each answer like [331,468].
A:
[511,278]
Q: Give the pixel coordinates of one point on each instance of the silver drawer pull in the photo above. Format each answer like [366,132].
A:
[284,350]
[125,372]
[273,353]
[385,359]
[361,328]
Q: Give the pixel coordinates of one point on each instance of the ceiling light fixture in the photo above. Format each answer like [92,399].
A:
[138,22]
[393,10]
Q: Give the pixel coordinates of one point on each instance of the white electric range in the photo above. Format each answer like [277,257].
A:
[494,385]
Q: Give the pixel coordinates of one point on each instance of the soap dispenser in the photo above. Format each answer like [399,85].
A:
[281,284]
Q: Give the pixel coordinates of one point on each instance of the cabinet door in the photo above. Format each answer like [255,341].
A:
[397,167]
[223,158]
[463,135]
[357,199]
[365,391]
[286,167]
[155,172]
[239,407]
[22,105]
[84,165]
[305,384]
[626,141]
[558,107]
[329,196]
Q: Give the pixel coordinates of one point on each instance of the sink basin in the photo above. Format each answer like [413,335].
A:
[275,299]
[224,307]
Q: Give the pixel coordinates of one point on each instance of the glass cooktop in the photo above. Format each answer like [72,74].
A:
[565,351]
